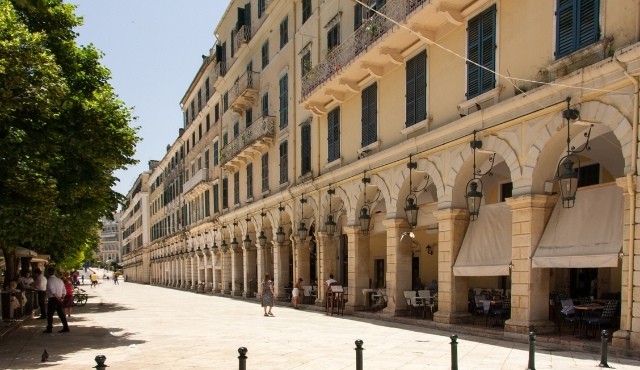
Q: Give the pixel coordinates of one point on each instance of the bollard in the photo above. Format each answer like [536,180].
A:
[242,359]
[100,359]
[359,350]
[454,352]
[603,354]
[532,351]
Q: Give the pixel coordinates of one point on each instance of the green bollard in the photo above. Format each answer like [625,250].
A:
[359,350]
[242,359]
[603,353]
[532,351]
[454,352]
[100,359]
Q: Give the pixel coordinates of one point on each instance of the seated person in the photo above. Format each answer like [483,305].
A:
[433,286]
[330,281]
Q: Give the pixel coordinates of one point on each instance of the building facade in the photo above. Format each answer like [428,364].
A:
[465,122]
[110,249]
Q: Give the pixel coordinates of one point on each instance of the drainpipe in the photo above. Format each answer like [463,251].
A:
[628,310]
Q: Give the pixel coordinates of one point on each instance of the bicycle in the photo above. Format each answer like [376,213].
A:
[80,297]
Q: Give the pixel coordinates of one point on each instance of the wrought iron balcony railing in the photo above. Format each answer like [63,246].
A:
[359,41]
[261,129]
[244,92]
[200,177]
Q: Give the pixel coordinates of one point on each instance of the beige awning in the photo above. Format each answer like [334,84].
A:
[486,248]
[587,235]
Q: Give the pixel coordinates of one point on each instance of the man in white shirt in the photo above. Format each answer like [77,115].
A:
[40,285]
[55,292]
[331,280]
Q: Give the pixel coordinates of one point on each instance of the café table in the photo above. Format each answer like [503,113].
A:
[585,311]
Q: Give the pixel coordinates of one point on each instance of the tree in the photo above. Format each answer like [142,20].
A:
[63,133]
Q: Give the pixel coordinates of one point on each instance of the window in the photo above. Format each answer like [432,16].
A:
[216,201]
[250,180]
[199,100]
[265,54]
[208,120]
[233,42]
[333,135]
[284,100]
[193,139]
[206,89]
[200,131]
[216,112]
[265,172]
[236,129]
[265,104]
[284,32]
[370,115]
[186,117]
[305,63]
[333,36]
[261,7]
[225,102]
[216,153]
[506,191]
[236,188]
[305,147]
[193,110]
[207,207]
[225,193]
[481,49]
[284,163]
[206,159]
[225,139]
[577,25]
[306,10]
[416,95]
[248,117]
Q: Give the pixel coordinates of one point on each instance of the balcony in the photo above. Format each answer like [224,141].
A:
[249,143]
[243,36]
[244,92]
[200,179]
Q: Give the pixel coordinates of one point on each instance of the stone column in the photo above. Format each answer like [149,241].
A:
[226,272]
[215,257]
[260,262]
[529,286]
[452,291]
[359,265]
[207,278]
[327,261]
[628,336]
[301,262]
[281,268]
[398,276]
[249,267]
[192,269]
[236,272]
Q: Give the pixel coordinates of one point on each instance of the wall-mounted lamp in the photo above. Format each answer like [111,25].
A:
[411,203]
[302,229]
[430,249]
[568,172]
[246,243]
[330,224]
[280,235]
[474,186]
[223,246]
[262,239]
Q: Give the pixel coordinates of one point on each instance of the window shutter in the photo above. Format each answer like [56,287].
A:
[305,156]
[240,21]
[481,49]
[473,54]
[369,114]
[333,135]
[565,28]
[357,16]
[421,86]
[410,93]
[589,32]
[247,16]
[488,49]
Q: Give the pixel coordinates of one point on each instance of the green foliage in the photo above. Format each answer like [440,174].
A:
[63,133]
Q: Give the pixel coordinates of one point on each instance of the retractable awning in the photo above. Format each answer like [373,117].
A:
[24,252]
[587,235]
[486,248]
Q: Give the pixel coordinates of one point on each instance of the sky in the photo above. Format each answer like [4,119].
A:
[153,49]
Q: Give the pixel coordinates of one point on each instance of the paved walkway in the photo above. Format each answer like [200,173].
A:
[147,327]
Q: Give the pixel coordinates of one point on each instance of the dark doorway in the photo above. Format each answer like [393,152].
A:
[415,273]
[584,282]
[378,273]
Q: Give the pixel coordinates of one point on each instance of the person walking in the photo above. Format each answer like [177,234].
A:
[56,293]
[68,297]
[40,284]
[115,279]
[94,279]
[298,291]
[267,295]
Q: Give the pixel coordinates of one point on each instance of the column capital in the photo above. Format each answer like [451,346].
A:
[532,201]
[451,213]
[395,222]
[350,230]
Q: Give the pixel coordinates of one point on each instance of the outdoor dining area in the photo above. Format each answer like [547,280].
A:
[585,317]
[420,302]
[493,306]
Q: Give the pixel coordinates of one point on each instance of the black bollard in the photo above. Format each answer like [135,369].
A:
[100,359]
[454,352]
[603,353]
[532,351]
[242,359]
[359,350]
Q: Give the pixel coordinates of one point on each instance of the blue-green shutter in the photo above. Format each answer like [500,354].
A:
[481,48]
[333,135]
[305,155]
[577,25]
[369,115]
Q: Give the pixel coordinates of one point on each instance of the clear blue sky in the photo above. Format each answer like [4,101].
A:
[153,49]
